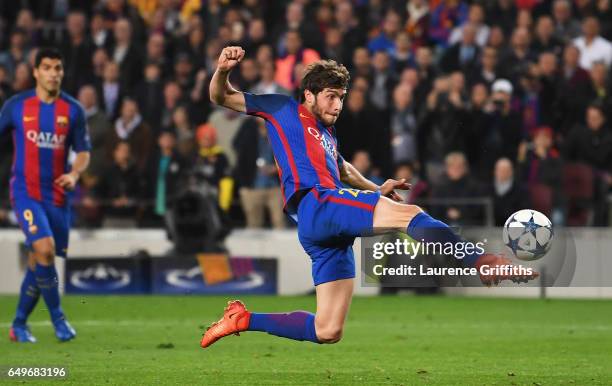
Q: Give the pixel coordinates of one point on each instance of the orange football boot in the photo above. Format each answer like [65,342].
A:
[504,269]
[235,320]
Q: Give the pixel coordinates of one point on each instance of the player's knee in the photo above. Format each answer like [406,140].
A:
[44,253]
[329,335]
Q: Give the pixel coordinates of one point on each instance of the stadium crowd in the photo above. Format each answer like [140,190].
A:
[486,107]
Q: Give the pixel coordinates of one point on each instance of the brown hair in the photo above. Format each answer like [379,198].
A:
[323,74]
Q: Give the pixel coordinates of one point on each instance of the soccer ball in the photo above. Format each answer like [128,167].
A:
[528,234]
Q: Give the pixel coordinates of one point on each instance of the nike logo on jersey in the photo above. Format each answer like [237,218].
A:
[28,119]
[303,116]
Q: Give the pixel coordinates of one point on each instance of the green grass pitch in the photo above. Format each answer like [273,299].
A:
[401,340]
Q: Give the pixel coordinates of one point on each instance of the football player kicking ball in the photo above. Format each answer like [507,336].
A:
[329,217]
[46,123]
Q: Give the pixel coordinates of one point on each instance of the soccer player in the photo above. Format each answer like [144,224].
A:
[329,217]
[46,123]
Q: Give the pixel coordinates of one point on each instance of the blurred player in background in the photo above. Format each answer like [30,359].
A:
[46,124]
[329,217]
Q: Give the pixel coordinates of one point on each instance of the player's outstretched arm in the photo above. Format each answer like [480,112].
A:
[352,177]
[221,91]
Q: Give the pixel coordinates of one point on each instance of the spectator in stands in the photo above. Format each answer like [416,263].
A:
[26,22]
[477,118]
[566,28]
[120,189]
[126,54]
[593,48]
[211,165]
[402,55]
[183,72]
[166,169]
[249,74]
[348,24]
[77,49]
[425,66]
[23,78]
[539,163]
[361,63]
[333,48]
[131,128]
[518,57]
[404,125]
[296,56]
[149,95]
[573,91]
[441,132]
[592,143]
[462,55]
[355,125]
[547,75]
[306,31]
[156,53]
[110,91]
[385,41]
[256,36]
[476,20]
[383,81]
[99,130]
[418,188]
[257,175]
[504,14]
[486,71]
[601,88]
[16,53]
[267,84]
[100,36]
[185,138]
[447,15]
[455,186]
[545,39]
[173,96]
[503,134]
[99,61]
[362,162]
[418,22]
[509,194]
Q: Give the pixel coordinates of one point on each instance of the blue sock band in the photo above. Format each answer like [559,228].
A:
[426,228]
[28,297]
[46,279]
[297,325]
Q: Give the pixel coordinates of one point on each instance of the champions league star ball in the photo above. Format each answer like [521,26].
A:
[528,233]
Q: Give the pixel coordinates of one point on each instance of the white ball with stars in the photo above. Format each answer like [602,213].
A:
[528,234]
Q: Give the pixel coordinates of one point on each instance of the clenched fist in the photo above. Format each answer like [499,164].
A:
[229,58]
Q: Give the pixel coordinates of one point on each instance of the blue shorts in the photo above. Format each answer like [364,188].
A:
[329,220]
[40,219]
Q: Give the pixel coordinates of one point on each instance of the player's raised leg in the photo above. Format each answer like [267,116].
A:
[333,302]
[28,297]
[419,225]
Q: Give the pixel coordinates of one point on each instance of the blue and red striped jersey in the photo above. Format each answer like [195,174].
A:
[43,134]
[305,151]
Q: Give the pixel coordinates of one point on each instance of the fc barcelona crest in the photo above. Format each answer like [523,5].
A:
[62,121]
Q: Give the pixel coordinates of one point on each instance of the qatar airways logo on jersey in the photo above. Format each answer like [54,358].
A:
[325,143]
[46,140]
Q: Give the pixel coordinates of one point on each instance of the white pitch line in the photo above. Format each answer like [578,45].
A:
[104,323]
